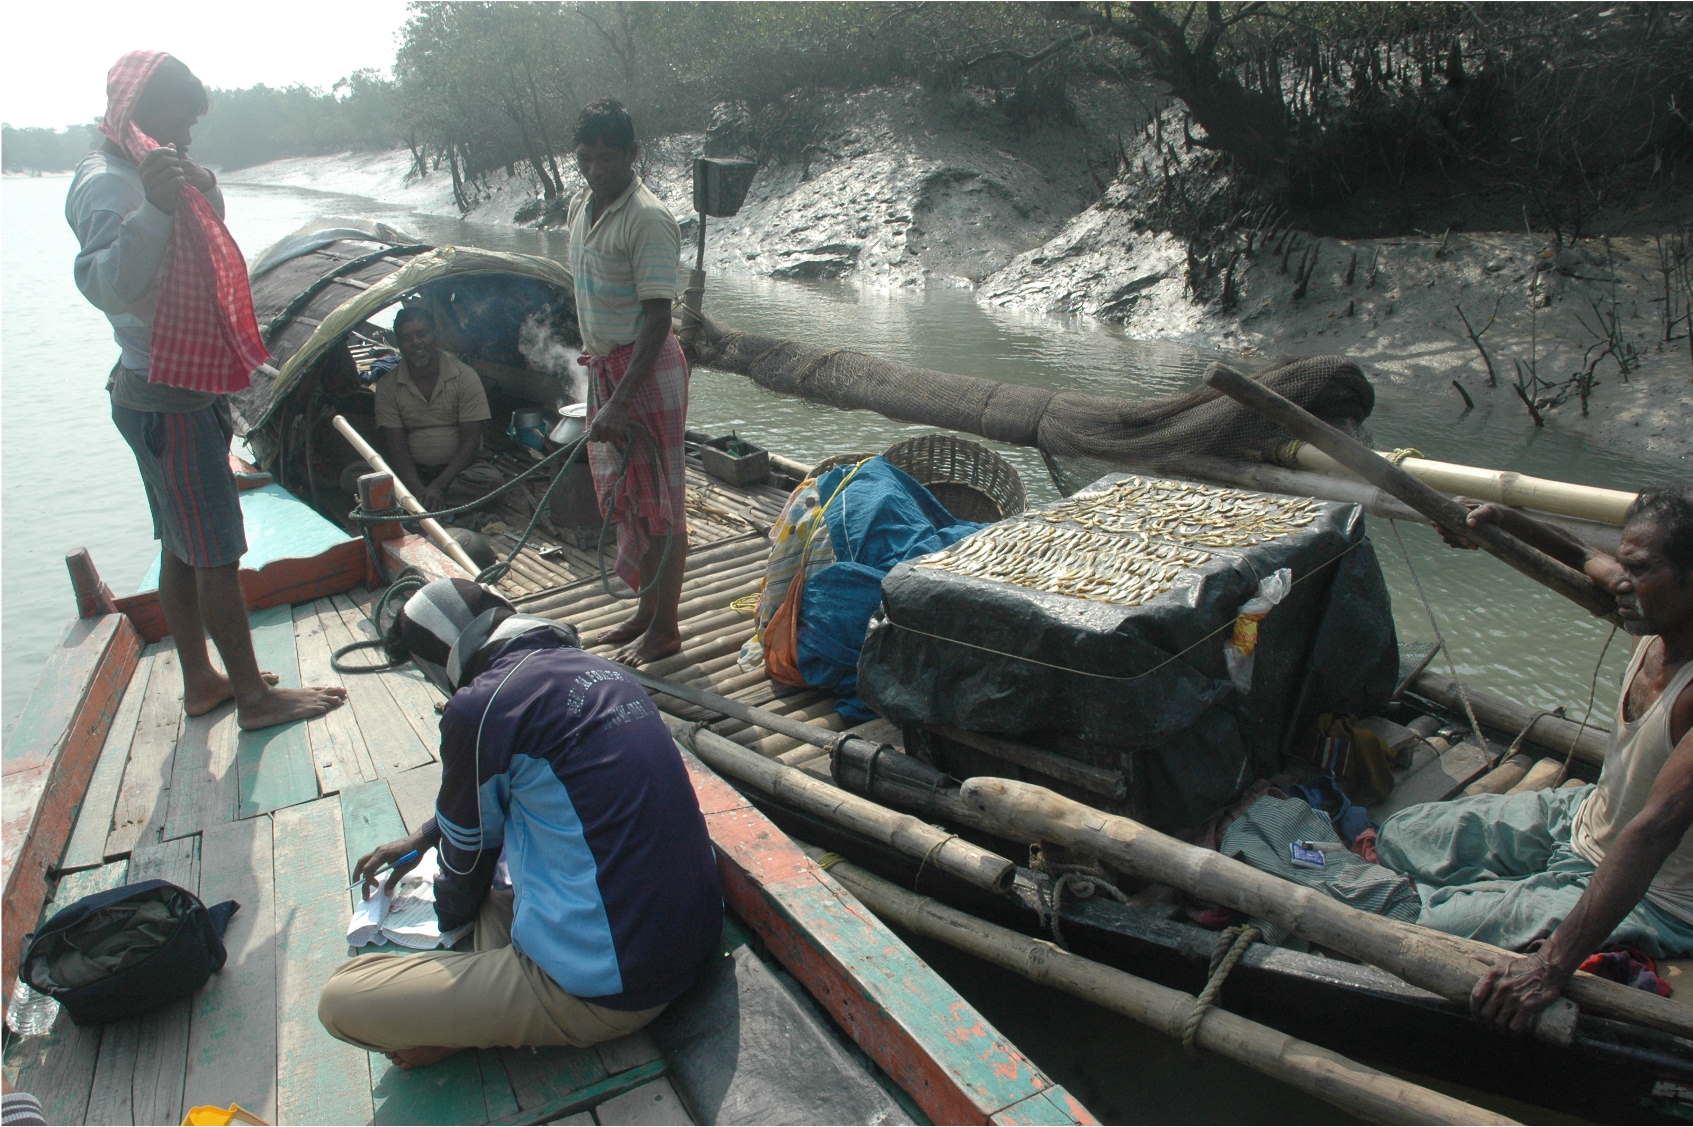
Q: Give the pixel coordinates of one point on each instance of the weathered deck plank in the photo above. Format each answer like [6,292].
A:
[87,846]
[203,783]
[319,1079]
[273,766]
[392,741]
[232,1033]
[454,1090]
[627,1052]
[369,818]
[138,1078]
[144,799]
[653,1104]
[58,1066]
[543,1078]
[339,754]
[415,792]
[413,695]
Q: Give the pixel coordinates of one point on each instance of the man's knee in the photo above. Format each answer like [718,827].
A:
[338,1002]
[344,1006]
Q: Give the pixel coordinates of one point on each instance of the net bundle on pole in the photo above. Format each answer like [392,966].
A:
[1079,434]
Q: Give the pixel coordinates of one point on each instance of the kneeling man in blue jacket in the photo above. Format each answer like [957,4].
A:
[562,760]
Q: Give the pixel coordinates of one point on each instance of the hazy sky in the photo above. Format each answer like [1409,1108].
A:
[58,52]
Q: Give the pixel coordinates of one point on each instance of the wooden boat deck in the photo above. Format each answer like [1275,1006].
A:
[256,817]
[275,820]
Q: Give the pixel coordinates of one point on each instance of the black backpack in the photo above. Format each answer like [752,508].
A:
[126,951]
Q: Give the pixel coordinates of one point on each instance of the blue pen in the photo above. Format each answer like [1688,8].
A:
[388,868]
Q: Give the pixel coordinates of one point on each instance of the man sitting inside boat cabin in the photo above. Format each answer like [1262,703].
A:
[559,762]
[1581,867]
[431,409]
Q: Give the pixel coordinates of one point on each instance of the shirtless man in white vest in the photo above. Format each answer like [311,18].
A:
[1621,849]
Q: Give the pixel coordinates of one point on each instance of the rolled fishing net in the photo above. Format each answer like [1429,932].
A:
[1080,435]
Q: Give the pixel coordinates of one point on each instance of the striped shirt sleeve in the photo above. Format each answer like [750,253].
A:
[655,243]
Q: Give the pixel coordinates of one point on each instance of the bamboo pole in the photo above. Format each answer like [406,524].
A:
[1565,498]
[1353,1087]
[1546,773]
[911,836]
[1330,487]
[1443,964]
[1555,732]
[705,598]
[1421,957]
[1442,510]
[431,528]
[1503,777]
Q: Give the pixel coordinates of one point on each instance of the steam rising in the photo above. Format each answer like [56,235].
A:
[547,352]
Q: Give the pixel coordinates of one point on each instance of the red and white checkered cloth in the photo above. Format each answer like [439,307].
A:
[205,337]
[642,485]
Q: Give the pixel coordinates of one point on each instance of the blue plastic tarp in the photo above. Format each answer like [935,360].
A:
[882,517]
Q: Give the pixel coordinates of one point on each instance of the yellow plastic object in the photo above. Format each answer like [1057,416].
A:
[209,1116]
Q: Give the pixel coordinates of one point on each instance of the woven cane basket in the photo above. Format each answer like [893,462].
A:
[972,481]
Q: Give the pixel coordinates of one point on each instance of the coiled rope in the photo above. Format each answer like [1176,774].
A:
[409,580]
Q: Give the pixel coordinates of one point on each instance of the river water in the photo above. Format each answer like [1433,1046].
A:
[67,479]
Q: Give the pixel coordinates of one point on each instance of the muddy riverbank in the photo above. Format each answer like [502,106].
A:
[898,188]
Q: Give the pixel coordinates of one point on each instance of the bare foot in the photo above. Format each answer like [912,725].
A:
[652,646]
[201,699]
[422,1057]
[282,706]
[625,631]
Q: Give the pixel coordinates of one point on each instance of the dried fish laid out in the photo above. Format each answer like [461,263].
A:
[1124,544]
[1196,515]
[1105,567]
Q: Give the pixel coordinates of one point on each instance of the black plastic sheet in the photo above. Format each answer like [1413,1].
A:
[1144,689]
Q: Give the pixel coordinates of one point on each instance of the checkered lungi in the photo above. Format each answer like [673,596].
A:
[647,498]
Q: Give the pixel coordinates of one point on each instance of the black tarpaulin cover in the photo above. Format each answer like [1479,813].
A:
[1141,687]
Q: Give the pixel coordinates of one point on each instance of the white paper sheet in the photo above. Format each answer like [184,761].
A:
[408,917]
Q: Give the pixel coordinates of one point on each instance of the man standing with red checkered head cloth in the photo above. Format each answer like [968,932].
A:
[624,246]
[157,260]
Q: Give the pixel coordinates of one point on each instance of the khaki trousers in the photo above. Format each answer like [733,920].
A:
[488,997]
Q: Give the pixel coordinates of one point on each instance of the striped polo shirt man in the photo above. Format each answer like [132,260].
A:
[626,256]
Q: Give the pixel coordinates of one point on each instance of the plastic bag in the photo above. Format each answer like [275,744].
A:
[1243,642]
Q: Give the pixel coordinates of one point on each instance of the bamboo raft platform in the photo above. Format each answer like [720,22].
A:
[549,562]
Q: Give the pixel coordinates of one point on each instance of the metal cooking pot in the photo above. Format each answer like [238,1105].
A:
[572,422]
[527,427]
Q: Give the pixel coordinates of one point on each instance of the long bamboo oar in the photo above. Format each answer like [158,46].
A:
[431,527]
[1421,957]
[1444,964]
[910,835]
[1348,1085]
[1441,509]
